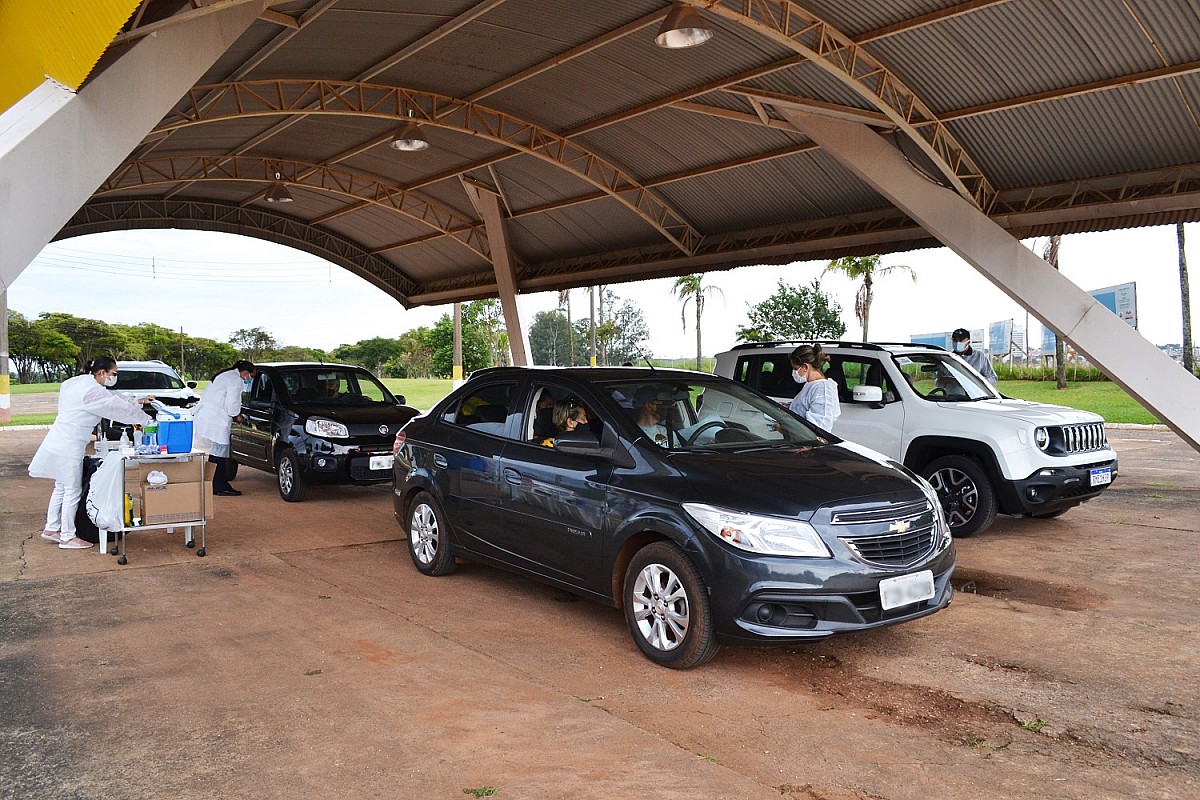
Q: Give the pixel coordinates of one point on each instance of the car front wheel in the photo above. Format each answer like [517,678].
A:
[965,493]
[429,537]
[666,606]
[292,487]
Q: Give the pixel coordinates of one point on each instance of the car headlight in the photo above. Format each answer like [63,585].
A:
[327,428]
[767,535]
[1041,437]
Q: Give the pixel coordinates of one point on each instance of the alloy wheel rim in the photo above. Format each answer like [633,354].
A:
[661,609]
[424,536]
[958,494]
[285,475]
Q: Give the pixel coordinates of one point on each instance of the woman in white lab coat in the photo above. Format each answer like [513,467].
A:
[220,405]
[82,402]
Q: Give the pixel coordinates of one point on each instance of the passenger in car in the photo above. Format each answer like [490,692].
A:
[543,417]
[569,414]
[650,414]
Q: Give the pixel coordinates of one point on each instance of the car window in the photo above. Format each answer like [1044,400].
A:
[937,376]
[769,373]
[261,390]
[851,371]
[335,386]
[484,408]
[555,412]
[708,413]
[146,379]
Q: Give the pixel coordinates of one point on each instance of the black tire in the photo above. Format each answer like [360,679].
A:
[231,468]
[292,486]
[428,537]
[666,606]
[965,492]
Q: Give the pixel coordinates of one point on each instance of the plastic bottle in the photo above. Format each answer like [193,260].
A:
[125,443]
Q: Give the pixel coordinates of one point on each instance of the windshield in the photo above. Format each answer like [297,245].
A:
[940,376]
[145,379]
[335,386]
[713,413]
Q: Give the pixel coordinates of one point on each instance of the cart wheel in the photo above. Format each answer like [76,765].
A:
[200,552]
[114,550]
[122,561]
[192,543]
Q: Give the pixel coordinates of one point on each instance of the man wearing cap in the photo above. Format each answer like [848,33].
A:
[982,364]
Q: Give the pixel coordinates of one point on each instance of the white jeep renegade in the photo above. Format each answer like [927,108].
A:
[983,453]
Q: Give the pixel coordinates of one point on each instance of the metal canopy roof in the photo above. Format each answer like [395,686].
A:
[617,160]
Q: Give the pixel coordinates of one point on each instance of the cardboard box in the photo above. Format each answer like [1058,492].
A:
[180,499]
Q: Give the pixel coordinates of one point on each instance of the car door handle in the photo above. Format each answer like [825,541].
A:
[512,476]
[439,460]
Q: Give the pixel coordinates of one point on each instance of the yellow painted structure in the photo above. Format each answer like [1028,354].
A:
[57,39]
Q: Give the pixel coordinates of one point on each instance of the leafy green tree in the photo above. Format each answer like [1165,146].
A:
[415,359]
[38,350]
[622,336]
[550,338]
[690,288]
[794,313]
[476,351]
[865,269]
[93,337]
[374,354]
[204,358]
[292,352]
[253,343]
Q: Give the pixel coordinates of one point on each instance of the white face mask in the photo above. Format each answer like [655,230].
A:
[798,378]
[110,380]
[960,347]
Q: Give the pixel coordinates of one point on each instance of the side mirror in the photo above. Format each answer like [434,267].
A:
[868,395]
[400,400]
[192,384]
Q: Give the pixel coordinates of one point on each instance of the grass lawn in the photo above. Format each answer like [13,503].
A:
[419,393]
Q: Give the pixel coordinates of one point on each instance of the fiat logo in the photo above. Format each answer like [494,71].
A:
[383,429]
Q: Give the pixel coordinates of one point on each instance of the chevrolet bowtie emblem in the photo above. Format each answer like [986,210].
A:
[899,526]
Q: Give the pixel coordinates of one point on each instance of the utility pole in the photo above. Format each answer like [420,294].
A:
[592,297]
[457,370]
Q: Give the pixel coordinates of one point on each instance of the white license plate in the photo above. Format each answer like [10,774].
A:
[381,462]
[1101,476]
[904,590]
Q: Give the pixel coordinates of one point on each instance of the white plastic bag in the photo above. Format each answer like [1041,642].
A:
[105,500]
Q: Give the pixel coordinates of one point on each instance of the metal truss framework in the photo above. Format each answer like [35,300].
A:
[300,97]
[116,214]
[247,169]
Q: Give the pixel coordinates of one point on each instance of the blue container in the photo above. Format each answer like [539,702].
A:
[176,435]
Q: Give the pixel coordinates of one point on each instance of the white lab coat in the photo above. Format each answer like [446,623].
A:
[82,403]
[817,402]
[219,404]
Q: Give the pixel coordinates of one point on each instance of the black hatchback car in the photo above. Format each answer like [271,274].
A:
[317,423]
[699,506]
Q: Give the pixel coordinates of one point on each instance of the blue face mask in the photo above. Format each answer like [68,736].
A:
[960,347]
[247,383]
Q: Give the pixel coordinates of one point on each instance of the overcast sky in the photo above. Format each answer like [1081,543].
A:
[212,284]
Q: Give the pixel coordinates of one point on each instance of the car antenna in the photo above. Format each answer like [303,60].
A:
[645,357]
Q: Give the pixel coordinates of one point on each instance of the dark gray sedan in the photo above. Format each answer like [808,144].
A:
[700,507]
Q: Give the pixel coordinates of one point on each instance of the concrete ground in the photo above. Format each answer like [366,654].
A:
[305,657]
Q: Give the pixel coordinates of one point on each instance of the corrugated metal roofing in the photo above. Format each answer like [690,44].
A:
[616,159]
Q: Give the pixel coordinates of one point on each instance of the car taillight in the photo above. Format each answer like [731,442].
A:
[396,445]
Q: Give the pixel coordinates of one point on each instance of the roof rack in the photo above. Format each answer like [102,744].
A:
[833,343]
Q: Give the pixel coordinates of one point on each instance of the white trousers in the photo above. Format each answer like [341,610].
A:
[60,516]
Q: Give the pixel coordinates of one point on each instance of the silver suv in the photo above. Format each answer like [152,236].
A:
[927,408]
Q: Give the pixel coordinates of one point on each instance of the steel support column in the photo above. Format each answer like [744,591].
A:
[57,147]
[1127,357]
[487,203]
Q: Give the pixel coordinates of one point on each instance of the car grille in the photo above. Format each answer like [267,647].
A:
[901,535]
[1084,438]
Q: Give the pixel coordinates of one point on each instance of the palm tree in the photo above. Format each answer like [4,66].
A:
[564,299]
[1050,254]
[690,288]
[866,269]
[1189,355]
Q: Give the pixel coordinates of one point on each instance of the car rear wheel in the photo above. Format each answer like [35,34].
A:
[429,537]
[965,493]
[666,606]
[292,487]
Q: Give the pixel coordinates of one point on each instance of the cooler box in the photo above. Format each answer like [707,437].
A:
[176,434]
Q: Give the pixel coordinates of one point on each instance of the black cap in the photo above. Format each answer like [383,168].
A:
[960,334]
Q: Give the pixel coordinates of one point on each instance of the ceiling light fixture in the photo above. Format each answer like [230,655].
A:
[682,27]
[278,193]
[409,138]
